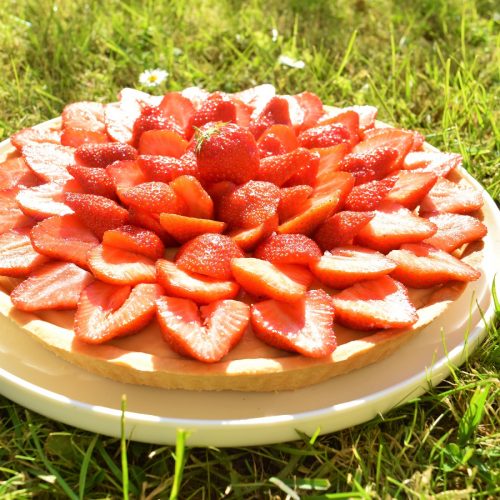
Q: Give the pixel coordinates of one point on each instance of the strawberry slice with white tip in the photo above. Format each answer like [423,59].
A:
[85,115]
[432,161]
[56,285]
[107,311]
[49,161]
[411,187]
[120,267]
[423,266]
[30,135]
[344,266]
[375,304]
[205,333]
[306,326]
[11,216]
[286,282]
[15,174]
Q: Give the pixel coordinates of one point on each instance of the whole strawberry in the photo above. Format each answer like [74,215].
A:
[226,152]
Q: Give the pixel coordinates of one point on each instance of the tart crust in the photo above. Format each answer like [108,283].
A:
[144,358]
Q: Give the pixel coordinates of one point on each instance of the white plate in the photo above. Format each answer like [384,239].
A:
[37,379]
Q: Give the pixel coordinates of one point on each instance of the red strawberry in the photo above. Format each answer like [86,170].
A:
[18,258]
[11,216]
[344,266]
[380,303]
[102,155]
[370,165]
[199,288]
[107,311]
[196,95]
[423,266]
[226,153]
[305,326]
[135,239]
[207,333]
[329,163]
[454,230]
[45,200]
[197,200]
[307,173]
[120,267]
[153,197]
[120,118]
[341,228]
[153,118]
[84,115]
[350,120]
[250,204]
[280,168]
[426,161]
[324,136]
[97,212]
[64,238]
[75,137]
[285,282]
[411,188]
[392,226]
[184,228]
[367,115]
[447,196]
[243,113]
[49,161]
[248,239]
[216,108]
[166,169]
[29,135]
[369,195]
[162,142]
[293,201]
[179,108]
[14,173]
[275,112]
[257,97]
[125,174]
[384,132]
[277,140]
[56,285]
[306,111]
[208,254]
[220,189]
[147,220]
[94,180]
[288,249]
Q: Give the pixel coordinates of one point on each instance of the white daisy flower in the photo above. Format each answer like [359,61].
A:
[290,62]
[153,77]
[274,34]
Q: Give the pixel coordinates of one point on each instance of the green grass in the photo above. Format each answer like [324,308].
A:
[429,65]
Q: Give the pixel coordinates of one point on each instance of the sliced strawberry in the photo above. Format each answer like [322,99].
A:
[248,239]
[64,238]
[243,113]
[280,168]
[218,190]
[18,258]
[369,195]
[208,254]
[11,216]
[329,161]
[154,198]
[216,108]
[411,188]
[207,333]
[56,285]
[249,205]
[197,200]
[423,266]
[125,174]
[75,137]
[306,326]
[97,212]
[367,115]
[120,267]
[135,239]
[308,112]
[29,135]
[14,173]
[94,180]
[45,200]
[439,163]
[288,249]
[257,97]
[184,228]
[324,136]
[380,303]
[84,115]
[49,161]
[370,165]
[201,289]
[392,226]
[285,282]
[293,201]
[196,95]
[329,180]
[179,108]
[162,142]
[153,118]
[141,218]
[341,228]
[120,119]
[451,197]
[454,230]
[102,155]
[165,168]
[275,112]
[417,138]
[277,140]
[107,311]
[307,173]
[344,266]
[350,120]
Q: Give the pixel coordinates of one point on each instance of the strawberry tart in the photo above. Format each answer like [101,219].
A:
[213,241]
